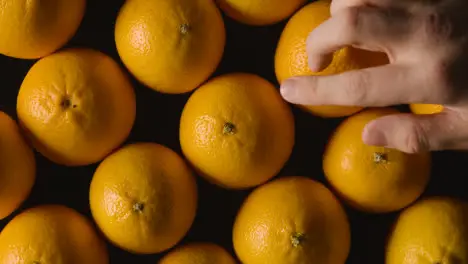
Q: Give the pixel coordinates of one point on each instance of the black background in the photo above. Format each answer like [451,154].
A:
[249,49]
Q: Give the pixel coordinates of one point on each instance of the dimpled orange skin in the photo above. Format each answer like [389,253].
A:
[291,57]
[198,253]
[143,197]
[293,220]
[171,46]
[76,106]
[432,231]
[51,234]
[17,167]
[237,131]
[426,109]
[33,28]
[369,178]
[260,12]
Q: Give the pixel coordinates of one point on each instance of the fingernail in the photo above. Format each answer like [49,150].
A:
[374,136]
[288,90]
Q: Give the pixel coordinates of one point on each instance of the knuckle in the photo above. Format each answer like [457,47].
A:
[415,140]
[437,26]
[356,87]
[311,88]
[350,16]
[310,82]
[351,22]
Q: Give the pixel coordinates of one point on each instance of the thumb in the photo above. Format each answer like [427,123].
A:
[418,133]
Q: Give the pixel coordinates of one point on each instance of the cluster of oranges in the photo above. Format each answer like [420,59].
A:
[76,107]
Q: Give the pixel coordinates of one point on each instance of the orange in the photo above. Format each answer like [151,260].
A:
[144,198]
[198,253]
[260,12]
[33,28]
[426,109]
[237,131]
[291,56]
[17,167]
[51,234]
[171,46]
[292,220]
[432,231]
[76,106]
[373,179]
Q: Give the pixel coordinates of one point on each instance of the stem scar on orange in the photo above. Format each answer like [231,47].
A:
[373,179]
[171,46]
[237,131]
[292,220]
[76,106]
[143,197]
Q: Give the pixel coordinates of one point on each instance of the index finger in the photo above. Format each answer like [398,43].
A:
[387,85]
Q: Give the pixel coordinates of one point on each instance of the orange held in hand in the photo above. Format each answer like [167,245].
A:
[144,198]
[373,179]
[17,167]
[51,234]
[171,46]
[76,106]
[36,28]
[292,220]
[291,55]
[237,131]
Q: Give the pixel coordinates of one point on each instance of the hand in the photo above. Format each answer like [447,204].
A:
[427,44]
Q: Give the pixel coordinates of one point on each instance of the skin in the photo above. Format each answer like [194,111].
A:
[426,44]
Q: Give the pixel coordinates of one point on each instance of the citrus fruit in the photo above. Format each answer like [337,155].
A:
[291,55]
[51,234]
[373,179]
[426,109]
[290,221]
[33,28]
[76,106]
[171,46]
[260,12]
[237,131]
[431,231]
[198,253]
[144,197]
[17,167]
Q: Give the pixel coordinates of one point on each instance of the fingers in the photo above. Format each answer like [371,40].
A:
[386,85]
[418,133]
[338,5]
[365,27]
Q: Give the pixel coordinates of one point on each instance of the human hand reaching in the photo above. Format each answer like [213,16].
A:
[427,45]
